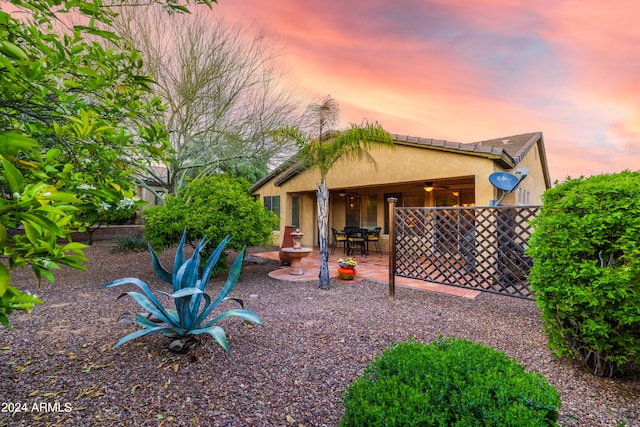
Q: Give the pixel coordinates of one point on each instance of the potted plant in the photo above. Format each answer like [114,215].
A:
[347,268]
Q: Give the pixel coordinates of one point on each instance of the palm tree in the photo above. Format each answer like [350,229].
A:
[323,152]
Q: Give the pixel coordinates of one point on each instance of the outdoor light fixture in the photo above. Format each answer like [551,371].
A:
[342,193]
[455,193]
[429,186]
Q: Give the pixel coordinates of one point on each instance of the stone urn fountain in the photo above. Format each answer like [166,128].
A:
[296,253]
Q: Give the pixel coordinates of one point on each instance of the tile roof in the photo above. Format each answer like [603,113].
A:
[506,151]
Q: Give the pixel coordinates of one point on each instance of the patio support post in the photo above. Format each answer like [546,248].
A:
[392,249]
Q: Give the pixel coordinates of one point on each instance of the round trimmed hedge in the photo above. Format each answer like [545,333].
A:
[449,382]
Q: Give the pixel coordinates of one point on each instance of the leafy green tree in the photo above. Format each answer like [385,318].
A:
[214,207]
[123,208]
[586,270]
[73,114]
[327,149]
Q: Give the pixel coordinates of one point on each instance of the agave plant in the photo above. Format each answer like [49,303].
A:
[189,319]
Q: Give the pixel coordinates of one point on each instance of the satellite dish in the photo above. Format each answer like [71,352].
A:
[504,181]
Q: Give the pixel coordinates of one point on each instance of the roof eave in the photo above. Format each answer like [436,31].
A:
[543,162]
[498,155]
[289,163]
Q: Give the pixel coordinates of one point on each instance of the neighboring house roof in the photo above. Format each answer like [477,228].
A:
[508,152]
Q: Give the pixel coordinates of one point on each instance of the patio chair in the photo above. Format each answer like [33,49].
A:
[349,230]
[287,242]
[338,238]
[357,239]
[374,236]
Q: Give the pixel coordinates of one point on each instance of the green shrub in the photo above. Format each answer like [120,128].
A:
[449,382]
[130,242]
[215,207]
[586,271]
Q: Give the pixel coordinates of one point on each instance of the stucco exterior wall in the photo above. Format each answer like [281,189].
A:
[405,164]
[531,188]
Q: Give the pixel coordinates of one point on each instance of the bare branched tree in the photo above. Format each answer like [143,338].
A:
[222,88]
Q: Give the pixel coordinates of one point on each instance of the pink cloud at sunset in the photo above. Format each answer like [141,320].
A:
[468,71]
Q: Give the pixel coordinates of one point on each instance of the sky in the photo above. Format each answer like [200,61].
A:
[470,70]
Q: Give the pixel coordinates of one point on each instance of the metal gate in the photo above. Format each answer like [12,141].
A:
[476,248]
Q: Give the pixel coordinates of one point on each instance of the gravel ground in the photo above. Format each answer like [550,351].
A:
[60,367]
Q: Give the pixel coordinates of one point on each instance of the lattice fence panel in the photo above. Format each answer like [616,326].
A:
[478,248]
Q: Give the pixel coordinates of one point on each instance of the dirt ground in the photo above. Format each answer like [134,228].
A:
[60,368]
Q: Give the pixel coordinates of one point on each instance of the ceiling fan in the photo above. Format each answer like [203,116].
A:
[343,193]
[429,186]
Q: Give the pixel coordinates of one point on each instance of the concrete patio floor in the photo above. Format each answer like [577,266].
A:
[373,266]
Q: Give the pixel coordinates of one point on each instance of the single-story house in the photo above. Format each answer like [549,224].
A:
[418,172]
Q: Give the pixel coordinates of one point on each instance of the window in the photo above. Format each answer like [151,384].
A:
[455,198]
[353,211]
[295,211]
[369,212]
[362,211]
[413,199]
[272,203]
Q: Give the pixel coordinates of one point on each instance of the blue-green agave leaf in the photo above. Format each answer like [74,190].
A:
[140,333]
[217,333]
[144,322]
[161,272]
[206,273]
[184,301]
[232,279]
[201,244]
[147,305]
[185,292]
[187,276]
[169,330]
[247,315]
[174,315]
[179,259]
[145,288]
[238,300]
[212,261]
[207,303]
[205,312]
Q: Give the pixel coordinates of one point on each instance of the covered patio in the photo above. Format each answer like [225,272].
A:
[418,173]
[373,266]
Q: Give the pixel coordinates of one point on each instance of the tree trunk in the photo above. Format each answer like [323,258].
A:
[323,233]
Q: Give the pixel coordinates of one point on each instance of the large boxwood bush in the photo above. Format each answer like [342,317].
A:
[586,271]
[449,382]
